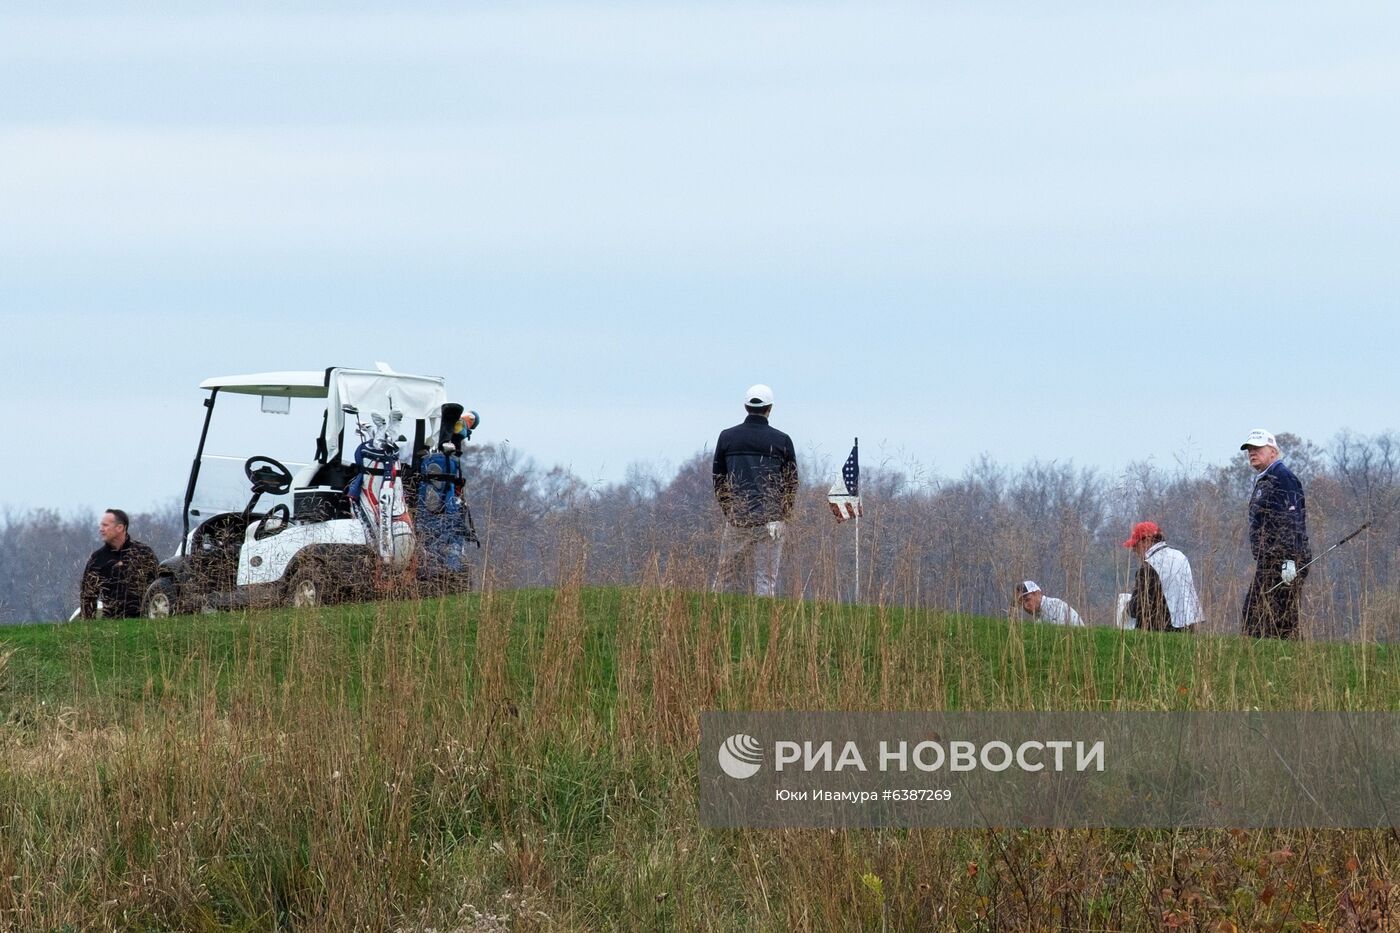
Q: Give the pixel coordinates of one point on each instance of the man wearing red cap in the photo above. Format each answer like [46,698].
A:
[1164,593]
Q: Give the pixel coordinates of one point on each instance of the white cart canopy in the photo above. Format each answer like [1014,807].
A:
[420,398]
[307,384]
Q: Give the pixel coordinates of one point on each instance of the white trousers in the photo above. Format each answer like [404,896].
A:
[764,543]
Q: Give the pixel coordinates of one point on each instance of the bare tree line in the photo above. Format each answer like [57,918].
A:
[959,544]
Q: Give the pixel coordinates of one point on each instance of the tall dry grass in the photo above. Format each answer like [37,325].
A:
[527,760]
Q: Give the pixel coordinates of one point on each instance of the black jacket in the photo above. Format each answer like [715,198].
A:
[1149,602]
[755,473]
[1278,522]
[119,578]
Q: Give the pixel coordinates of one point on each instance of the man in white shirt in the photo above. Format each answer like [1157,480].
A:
[1042,608]
[1164,594]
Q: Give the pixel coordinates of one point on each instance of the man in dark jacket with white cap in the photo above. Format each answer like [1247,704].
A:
[1278,537]
[755,476]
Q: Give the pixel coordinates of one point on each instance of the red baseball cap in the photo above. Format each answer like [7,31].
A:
[1142,530]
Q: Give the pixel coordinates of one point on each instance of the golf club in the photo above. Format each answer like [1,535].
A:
[1320,556]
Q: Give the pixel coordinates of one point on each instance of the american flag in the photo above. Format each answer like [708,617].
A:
[844,496]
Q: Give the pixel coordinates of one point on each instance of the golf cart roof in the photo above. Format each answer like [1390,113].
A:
[306,384]
[420,398]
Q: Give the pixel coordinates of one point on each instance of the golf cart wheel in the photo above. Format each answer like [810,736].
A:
[307,589]
[161,599]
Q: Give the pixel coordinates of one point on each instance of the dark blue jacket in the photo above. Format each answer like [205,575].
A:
[755,473]
[1278,518]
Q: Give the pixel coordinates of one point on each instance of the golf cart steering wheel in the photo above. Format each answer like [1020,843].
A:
[267,475]
[277,518]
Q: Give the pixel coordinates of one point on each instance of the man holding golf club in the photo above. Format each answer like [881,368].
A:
[117,574]
[755,476]
[1278,537]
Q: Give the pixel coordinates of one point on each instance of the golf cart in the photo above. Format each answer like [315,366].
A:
[307,533]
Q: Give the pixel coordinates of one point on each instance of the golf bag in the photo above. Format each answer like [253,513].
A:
[377,496]
[442,518]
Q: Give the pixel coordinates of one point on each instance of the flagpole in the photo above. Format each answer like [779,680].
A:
[844,499]
[856,446]
[857,558]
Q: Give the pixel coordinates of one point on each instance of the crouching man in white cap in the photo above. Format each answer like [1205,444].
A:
[755,474]
[1042,608]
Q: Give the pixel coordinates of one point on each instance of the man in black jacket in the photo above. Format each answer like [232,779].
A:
[1278,536]
[755,474]
[117,574]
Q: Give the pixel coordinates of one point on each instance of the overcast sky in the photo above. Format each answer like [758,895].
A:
[1085,232]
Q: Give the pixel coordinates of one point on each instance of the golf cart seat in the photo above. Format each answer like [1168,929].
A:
[214,548]
[336,475]
[220,533]
[320,504]
[318,492]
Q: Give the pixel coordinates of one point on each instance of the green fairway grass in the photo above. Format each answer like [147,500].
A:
[527,760]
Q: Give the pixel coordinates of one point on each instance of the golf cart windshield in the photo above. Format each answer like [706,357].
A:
[243,429]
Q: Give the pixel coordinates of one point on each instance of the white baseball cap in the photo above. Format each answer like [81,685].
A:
[1029,586]
[1259,437]
[758,396]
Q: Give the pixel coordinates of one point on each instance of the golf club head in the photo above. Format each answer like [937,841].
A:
[378,420]
[360,427]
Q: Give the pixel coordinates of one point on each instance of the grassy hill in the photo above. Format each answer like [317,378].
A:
[527,760]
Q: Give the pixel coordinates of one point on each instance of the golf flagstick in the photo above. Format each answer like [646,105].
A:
[844,500]
[857,555]
[855,459]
